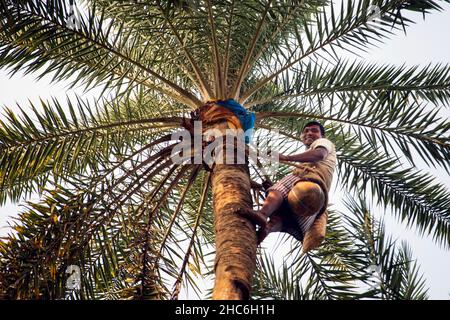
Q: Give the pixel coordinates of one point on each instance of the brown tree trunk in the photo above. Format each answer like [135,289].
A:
[235,235]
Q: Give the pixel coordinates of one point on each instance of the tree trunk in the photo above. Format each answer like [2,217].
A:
[235,235]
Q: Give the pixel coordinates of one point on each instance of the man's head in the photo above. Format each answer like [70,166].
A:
[312,131]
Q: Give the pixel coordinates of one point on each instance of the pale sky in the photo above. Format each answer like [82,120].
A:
[427,41]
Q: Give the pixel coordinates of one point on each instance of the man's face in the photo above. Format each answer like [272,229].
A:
[310,134]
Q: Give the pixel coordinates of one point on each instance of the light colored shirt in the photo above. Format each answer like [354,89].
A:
[330,161]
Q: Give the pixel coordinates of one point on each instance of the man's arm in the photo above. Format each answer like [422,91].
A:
[314,155]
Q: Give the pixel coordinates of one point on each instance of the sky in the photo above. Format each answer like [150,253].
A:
[426,42]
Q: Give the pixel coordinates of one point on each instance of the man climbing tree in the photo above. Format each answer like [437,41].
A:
[297,203]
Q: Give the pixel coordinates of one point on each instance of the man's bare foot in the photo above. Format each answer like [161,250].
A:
[273,225]
[255,216]
[261,234]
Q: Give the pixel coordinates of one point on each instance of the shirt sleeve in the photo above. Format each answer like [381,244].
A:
[325,143]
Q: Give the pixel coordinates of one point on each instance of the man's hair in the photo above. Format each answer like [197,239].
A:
[315,123]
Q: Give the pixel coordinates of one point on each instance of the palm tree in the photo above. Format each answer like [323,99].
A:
[115,204]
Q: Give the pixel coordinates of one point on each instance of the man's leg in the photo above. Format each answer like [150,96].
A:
[272,202]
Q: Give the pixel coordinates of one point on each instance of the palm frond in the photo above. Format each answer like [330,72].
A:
[38,37]
[392,273]
[188,253]
[348,30]
[414,197]
[332,272]
[429,83]
[63,142]
[344,267]
[399,126]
